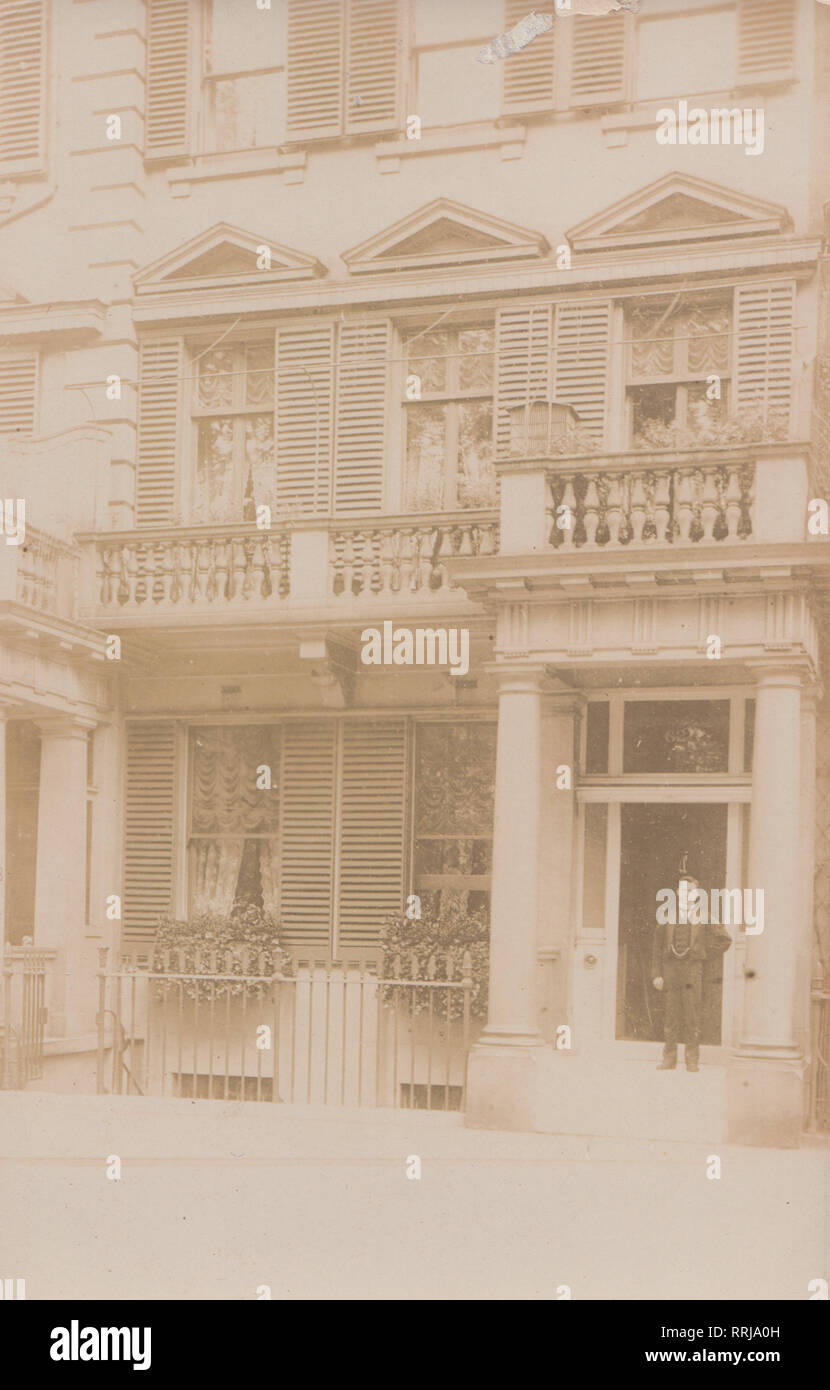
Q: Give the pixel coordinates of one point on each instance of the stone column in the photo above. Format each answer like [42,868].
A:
[503,1066]
[61,864]
[766,1074]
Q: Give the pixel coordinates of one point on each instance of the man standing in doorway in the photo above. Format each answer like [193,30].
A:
[679,950]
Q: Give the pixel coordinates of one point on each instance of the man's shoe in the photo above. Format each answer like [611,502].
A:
[692,1066]
[666,1066]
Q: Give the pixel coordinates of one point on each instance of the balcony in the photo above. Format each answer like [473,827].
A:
[663,502]
[336,568]
[40,574]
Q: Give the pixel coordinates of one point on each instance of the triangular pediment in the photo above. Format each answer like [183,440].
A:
[677,208]
[444,233]
[226,256]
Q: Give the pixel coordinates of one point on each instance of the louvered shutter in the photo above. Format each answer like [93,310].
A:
[764,317]
[599,50]
[361,417]
[149,828]
[22,80]
[372,65]
[528,76]
[167,108]
[314,68]
[305,386]
[523,355]
[307,827]
[160,370]
[580,373]
[766,41]
[18,388]
[372,828]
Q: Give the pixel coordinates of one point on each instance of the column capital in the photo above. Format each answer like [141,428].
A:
[528,677]
[66,726]
[788,672]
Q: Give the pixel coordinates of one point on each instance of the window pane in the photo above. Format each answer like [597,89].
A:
[703,414]
[259,384]
[426,432]
[215,499]
[245,113]
[653,405]
[749,735]
[475,372]
[676,736]
[225,798]
[215,384]
[594,873]
[476,475]
[260,471]
[427,359]
[240,40]
[707,329]
[596,748]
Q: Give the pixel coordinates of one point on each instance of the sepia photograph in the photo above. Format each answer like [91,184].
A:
[414,640]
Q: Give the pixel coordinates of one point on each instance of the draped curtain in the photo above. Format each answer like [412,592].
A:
[228,808]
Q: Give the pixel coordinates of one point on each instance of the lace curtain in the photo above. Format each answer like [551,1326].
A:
[234,822]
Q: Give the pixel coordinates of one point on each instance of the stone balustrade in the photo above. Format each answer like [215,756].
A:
[644,503]
[178,569]
[41,573]
[394,557]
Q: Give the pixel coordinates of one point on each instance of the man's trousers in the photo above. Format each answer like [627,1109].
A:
[683,993]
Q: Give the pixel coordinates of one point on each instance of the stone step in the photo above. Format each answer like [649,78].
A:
[630,1099]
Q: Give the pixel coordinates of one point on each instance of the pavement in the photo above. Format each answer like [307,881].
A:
[216,1200]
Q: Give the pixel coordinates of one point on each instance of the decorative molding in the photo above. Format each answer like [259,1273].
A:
[694,209]
[580,627]
[225,257]
[444,233]
[644,625]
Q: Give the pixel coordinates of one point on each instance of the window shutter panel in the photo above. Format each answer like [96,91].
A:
[523,358]
[372,65]
[307,832]
[167,113]
[766,41]
[18,389]
[149,828]
[160,370]
[361,417]
[314,69]
[598,59]
[764,317]
[581,360]
[22,79]
[528,76]
[372,828]
[305,381]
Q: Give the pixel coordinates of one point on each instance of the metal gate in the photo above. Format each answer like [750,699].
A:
[23,1015]
[329,1033]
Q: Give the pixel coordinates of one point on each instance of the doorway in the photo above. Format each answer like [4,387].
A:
[656,840]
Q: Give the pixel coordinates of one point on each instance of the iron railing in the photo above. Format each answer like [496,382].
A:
[24,1015]
[330,1033]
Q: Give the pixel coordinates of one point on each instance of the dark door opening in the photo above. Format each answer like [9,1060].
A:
[654,840]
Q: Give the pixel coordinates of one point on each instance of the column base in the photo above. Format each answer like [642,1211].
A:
[765,1100]
[503,1082]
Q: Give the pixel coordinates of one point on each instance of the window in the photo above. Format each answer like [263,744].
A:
[22,84]
[672,351]
[241,81]
[18,391]
[343,67]
[676,736]
[455,772]
[449,426]
[233,420]
[234,823]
